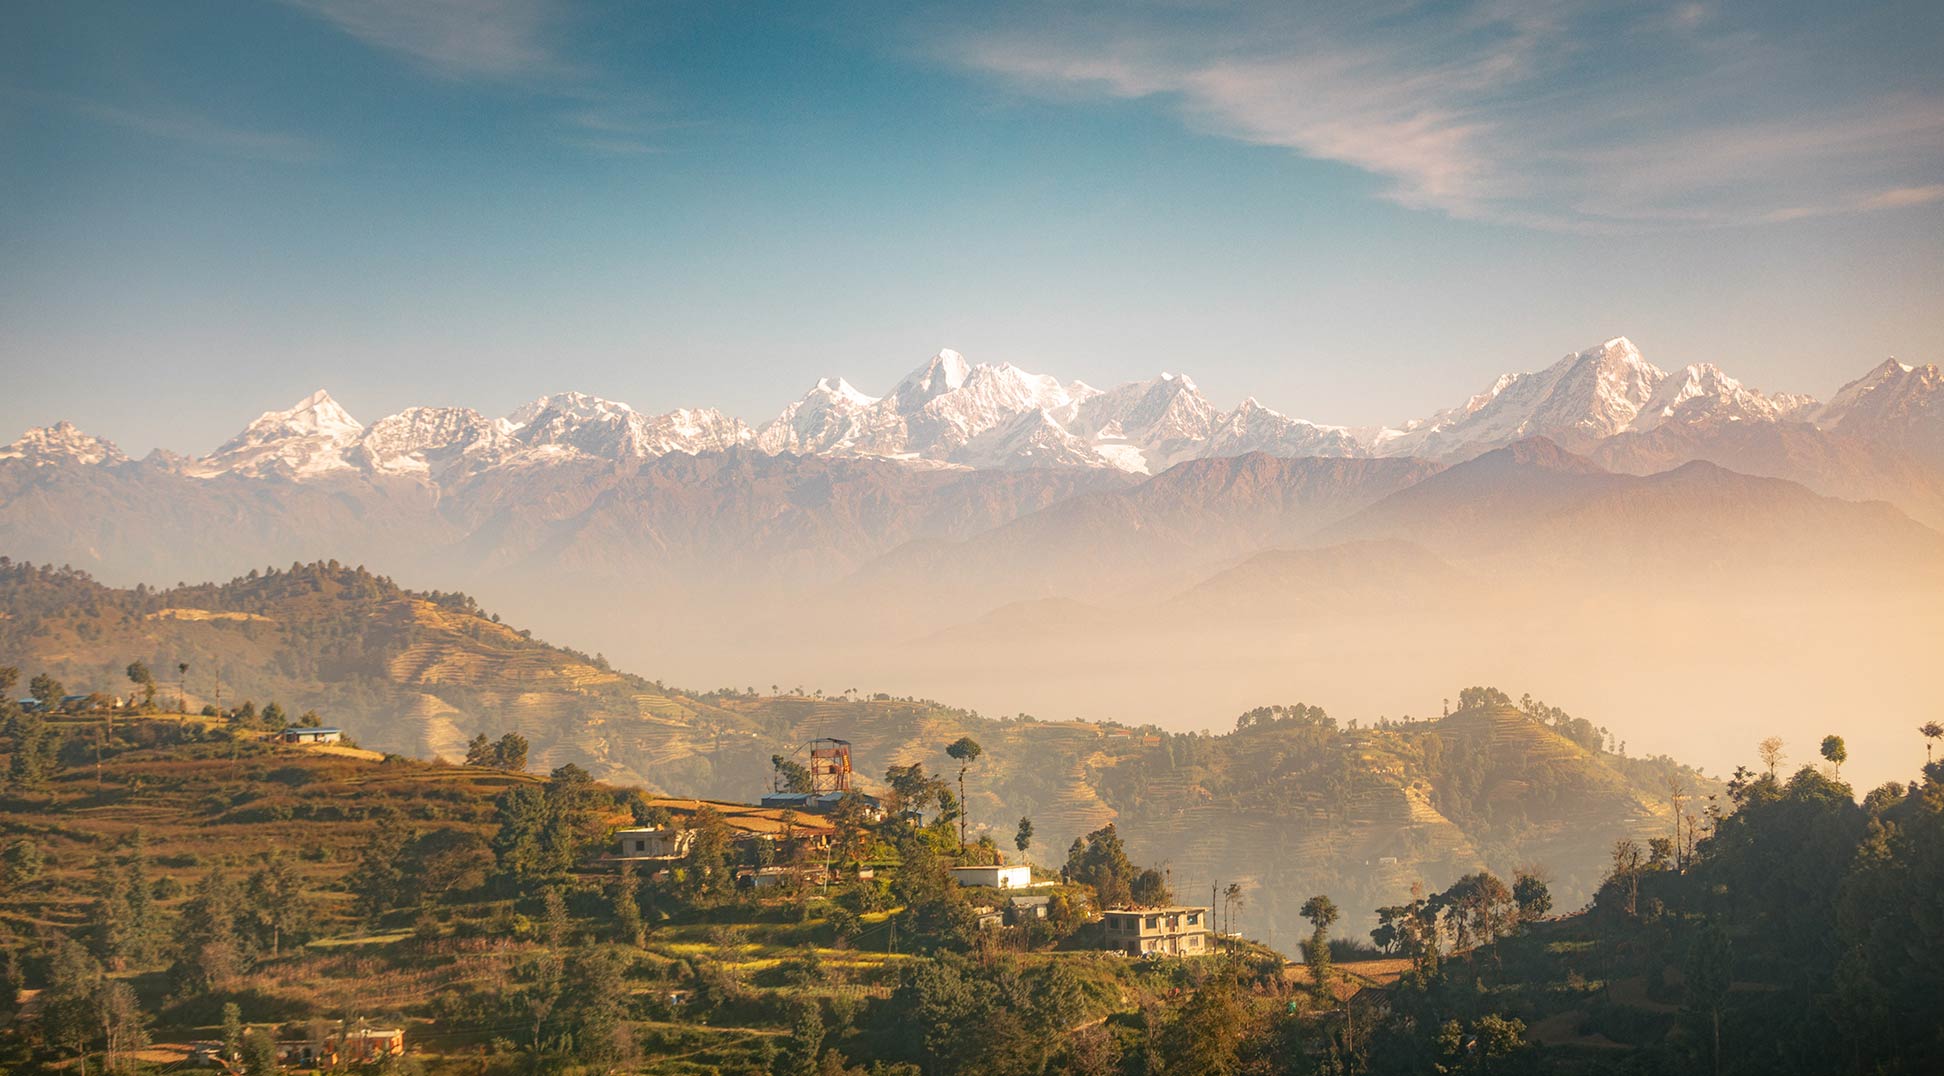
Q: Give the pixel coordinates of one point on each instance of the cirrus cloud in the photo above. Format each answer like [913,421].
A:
[1565,115]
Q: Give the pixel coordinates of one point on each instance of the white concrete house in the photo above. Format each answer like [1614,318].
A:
[1001,877]
[652,842]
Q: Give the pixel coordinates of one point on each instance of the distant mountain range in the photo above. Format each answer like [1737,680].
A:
[988,535]
[995,417]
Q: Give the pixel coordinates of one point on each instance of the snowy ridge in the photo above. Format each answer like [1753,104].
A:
[1585,398]
[1896,403]
[62,443]
[951,412]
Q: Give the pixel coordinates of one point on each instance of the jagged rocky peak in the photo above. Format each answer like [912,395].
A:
[62,443]
[1897,404]
[946,371]
[693,430]
[1586,397]
[314,415]
[434,440]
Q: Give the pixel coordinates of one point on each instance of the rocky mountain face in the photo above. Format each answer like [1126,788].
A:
[1896,404]
[1583,399]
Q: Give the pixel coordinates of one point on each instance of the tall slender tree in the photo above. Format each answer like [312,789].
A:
[1322,913]
[966,751]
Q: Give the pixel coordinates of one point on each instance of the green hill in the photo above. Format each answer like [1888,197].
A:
[1288,804]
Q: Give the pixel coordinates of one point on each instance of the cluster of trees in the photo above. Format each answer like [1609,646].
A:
[509,752]
[1477,909]
[1274,716]
[545,830]
[1099,860]
[401,867]
[1821,898]
[221,934]
[1796,933]
[950,1015]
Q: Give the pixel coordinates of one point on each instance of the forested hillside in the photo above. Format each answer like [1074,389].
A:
[1289,801]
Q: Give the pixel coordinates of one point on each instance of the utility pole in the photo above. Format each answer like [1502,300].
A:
[1213,888]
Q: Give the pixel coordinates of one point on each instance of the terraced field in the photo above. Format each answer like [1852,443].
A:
[1287,807]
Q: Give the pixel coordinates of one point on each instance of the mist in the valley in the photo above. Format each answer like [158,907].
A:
[1688,661]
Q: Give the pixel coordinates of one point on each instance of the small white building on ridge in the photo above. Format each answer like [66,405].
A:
[652,842]
[999,877]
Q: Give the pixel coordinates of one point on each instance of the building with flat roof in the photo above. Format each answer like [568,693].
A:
[995,877]
[1174,931]
[652,842]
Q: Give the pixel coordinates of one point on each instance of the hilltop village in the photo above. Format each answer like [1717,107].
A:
[241,891]
[200,890]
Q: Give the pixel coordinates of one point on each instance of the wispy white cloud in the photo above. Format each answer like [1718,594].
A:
[1902,197]
[518,42]
[461,39]
[197,130]
[1571,114]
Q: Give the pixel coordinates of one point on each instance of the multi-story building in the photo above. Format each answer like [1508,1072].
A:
[1176,931]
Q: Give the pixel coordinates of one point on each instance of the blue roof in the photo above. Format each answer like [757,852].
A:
[313,730]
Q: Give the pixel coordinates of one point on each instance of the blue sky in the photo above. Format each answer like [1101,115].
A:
[209,209]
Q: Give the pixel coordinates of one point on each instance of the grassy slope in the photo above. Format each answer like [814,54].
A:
[207,806]
[1286,811]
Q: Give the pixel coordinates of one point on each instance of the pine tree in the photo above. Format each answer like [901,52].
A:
[211,950]
[232,1032]
[800,1050]
[68,1018]
[626,908]
[275,896]
[378,881]
[109,920]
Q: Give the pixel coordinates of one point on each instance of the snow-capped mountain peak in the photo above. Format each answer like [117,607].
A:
[306,439]
[565,409]
[1895,403]
[435,441]
[62,443]
[839,389]
[575,423]
[946,372]
[954,412]
[316,415]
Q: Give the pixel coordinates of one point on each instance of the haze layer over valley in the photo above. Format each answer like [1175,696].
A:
[1690,559]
